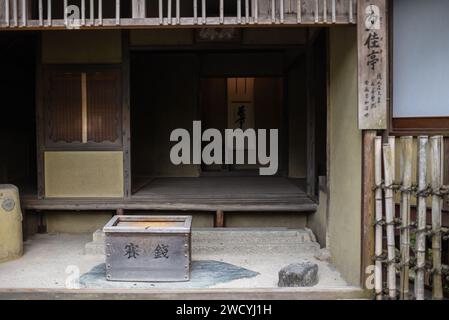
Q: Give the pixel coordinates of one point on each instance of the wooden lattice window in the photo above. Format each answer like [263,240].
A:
[83,108]
[64,113]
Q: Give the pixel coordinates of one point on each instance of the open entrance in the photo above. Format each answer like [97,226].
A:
[18,128]
[232,86]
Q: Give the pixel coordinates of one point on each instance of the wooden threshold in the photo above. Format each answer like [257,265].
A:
[187,294]
[229,194]
[178,205]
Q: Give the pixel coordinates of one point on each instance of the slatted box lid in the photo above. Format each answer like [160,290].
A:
[149,224]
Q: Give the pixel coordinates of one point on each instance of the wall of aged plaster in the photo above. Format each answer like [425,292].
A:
[74,46]
[345,143]
[317,221]
[85,174]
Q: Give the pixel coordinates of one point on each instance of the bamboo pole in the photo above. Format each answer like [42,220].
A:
[379,217]
[406,179]
[389,218]
[437,202]
[421,223]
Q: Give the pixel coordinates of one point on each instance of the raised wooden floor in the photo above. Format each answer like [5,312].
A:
[265,194]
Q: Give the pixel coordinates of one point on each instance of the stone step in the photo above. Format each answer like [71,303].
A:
[236,241]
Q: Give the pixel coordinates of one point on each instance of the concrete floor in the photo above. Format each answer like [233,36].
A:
[52,261]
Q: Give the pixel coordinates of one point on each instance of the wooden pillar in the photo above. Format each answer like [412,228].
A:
[120,211]
[372,48]
[126,114]
[368,215]
[219,221]
[311,166]
[40,126]
[41,224]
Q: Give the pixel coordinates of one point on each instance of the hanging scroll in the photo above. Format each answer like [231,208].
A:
[372,57]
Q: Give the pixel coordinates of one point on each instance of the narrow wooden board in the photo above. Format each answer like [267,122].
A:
[372,62]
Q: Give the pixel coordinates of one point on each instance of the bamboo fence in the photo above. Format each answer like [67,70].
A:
[417,261]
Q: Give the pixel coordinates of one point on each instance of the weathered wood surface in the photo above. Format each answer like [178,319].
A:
[263,12]
[236,194]
[186,294]
[373,62]
[368,211]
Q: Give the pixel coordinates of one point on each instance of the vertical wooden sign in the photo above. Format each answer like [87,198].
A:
[372,64]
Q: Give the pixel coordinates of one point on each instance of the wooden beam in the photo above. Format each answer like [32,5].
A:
[368,214]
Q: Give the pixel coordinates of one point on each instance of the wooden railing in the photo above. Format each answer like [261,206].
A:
[37,14]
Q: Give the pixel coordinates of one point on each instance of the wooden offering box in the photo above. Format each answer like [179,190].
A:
[148,248]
